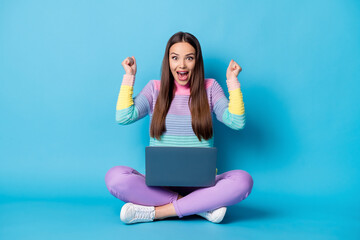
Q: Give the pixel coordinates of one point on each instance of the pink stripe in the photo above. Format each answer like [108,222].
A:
[157,84]
[209,82]
[232,84]
[182,91]
[128,80]
[185,92]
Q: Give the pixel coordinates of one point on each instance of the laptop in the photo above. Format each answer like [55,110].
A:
[180,166]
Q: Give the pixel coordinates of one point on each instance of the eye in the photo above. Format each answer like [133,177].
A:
[174,57]
[190,58]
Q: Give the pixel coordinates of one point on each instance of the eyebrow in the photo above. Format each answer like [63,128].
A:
[185,55]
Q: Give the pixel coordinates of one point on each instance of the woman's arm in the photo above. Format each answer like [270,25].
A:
[231,112]
[129,110]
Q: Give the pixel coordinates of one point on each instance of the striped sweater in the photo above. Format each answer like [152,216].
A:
[179,130]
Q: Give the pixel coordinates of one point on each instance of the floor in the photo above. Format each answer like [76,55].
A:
[98,218]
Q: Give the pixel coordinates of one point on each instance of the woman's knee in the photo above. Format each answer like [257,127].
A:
[243,182]
[115,176]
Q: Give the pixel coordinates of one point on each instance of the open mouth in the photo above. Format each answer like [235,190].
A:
[183,75]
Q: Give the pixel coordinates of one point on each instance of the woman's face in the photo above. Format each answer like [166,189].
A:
[182,61]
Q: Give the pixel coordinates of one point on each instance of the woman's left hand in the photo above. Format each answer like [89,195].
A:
[233,70]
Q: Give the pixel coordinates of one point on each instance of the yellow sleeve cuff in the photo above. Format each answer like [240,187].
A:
[236,104]
[125,99]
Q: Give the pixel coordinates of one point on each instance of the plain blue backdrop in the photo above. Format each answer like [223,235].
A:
[60,74]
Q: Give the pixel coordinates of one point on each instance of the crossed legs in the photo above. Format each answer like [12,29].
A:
[128,185]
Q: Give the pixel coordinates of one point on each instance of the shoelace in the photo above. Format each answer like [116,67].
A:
[143,213]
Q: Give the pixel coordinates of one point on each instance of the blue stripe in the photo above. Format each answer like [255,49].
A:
[220,106]
[178,125]
[181,141]
[233,121]
[142,104]
[127,115]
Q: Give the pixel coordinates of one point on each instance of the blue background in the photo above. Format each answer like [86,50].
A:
[60,74]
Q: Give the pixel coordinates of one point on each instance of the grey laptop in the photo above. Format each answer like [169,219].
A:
[180,166]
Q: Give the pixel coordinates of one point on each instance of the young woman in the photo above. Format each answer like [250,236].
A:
[180,107]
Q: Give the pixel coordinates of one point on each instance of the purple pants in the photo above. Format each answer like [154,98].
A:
[128,185]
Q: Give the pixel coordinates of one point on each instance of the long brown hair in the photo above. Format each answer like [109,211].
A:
[198,101]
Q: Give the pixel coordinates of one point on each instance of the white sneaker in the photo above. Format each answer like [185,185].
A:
[215,215]
[133,213]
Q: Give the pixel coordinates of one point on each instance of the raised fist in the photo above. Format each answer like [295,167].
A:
[233,70]
[129,65]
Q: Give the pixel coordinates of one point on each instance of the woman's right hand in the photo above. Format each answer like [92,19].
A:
[129,65]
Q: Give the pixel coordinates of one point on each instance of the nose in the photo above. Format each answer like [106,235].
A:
[183,64]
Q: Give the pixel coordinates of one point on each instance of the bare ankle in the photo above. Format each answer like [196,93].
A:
[165,211]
